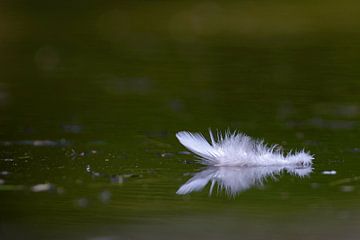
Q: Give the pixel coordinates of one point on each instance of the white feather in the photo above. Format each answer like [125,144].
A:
[237,179]
[237,149]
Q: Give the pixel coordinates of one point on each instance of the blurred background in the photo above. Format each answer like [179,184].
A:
[92,94]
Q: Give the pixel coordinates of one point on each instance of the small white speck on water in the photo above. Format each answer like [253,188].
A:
[42,187]
[330,172]
[40,143]
[165,155]
[88,168]
[8,159]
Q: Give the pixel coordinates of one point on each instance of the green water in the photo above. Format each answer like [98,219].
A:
[92,94]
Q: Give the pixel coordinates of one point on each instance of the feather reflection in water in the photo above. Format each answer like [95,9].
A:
[237,179]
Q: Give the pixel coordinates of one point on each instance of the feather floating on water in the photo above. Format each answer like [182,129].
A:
[237,149]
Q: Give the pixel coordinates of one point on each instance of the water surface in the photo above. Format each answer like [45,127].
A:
[91,96]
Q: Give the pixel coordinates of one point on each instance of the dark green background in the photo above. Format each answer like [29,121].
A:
[106,85]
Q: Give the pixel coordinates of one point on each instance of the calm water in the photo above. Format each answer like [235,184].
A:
[92,94]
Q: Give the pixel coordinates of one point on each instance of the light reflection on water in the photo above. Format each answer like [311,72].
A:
[235,179]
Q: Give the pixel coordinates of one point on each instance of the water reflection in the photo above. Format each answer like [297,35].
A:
[237,179]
